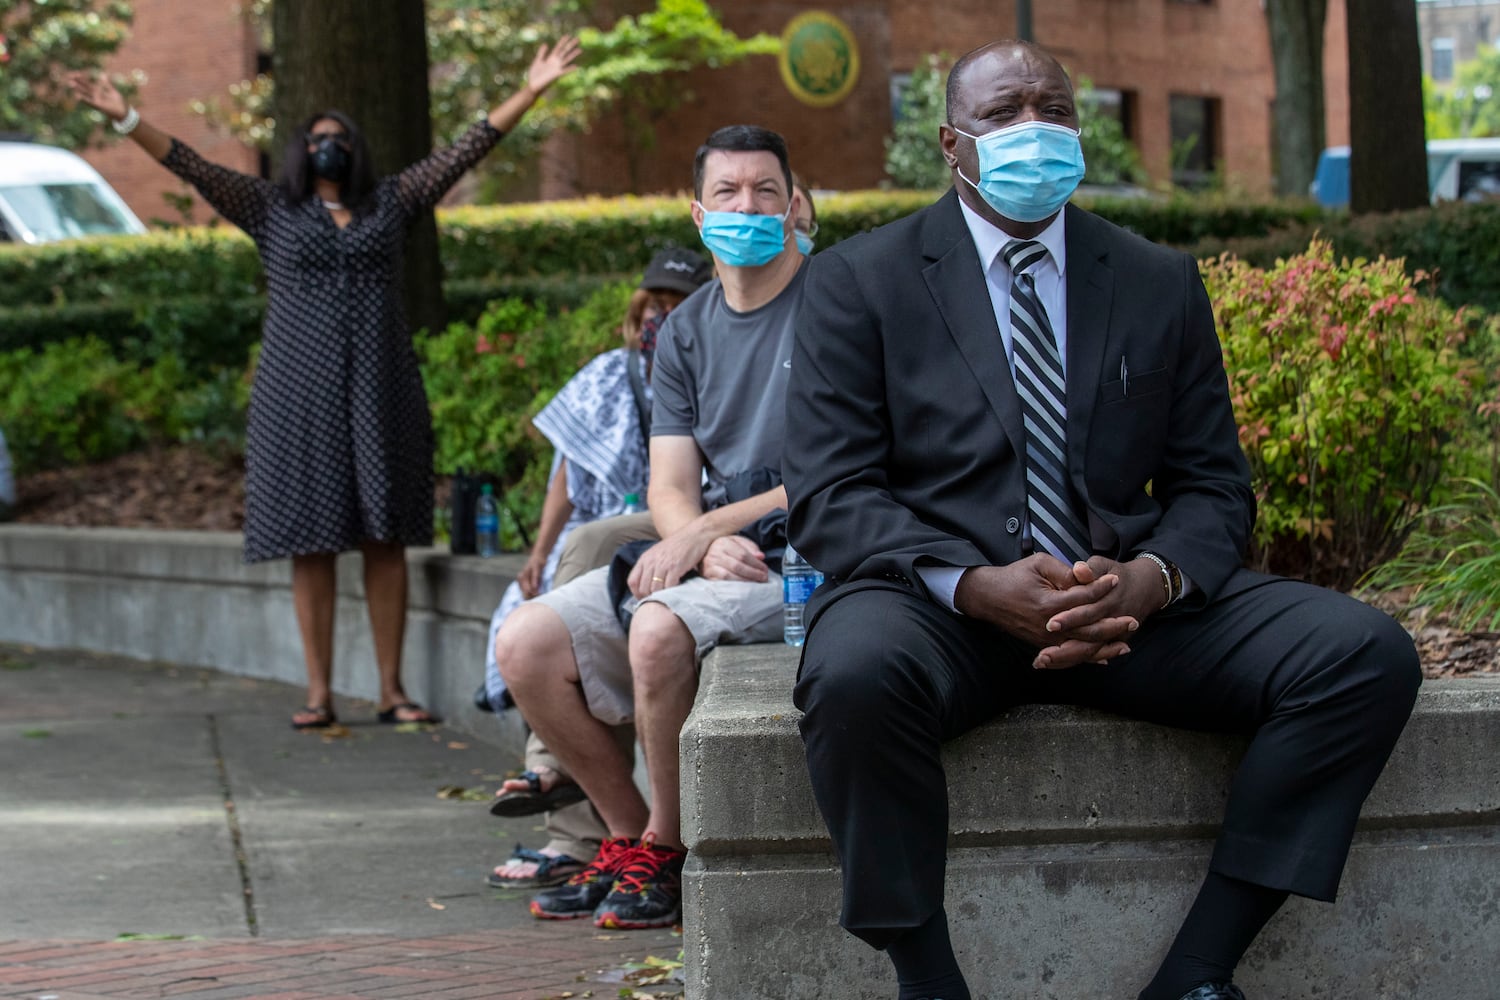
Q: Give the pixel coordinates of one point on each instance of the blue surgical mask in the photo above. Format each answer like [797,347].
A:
[804,242]
[1027,171]
[742,240]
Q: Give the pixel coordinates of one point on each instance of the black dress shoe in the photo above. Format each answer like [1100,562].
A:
[1214,991]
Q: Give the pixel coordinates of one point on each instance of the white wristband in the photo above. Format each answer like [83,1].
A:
[127,125]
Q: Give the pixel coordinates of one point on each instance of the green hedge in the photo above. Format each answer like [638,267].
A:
[198,293]
[509,243]
[1457,243]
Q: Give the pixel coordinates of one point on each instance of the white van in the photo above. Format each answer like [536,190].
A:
[1457,169]
[50,194]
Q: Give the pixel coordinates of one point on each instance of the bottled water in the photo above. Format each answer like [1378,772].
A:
[633,504]
[486,522]
[798,581]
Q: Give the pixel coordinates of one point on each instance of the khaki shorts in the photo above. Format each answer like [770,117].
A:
[716,612]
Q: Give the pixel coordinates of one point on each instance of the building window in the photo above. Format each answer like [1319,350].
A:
[1440,66]
[1195,139]
[1109,102]
[899,83]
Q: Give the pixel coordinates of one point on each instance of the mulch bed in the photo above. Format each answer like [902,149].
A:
[187,488]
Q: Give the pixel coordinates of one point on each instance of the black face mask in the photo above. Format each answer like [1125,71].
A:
[330,160]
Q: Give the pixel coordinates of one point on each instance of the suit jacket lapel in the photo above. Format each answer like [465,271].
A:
[1090,287]
[958,287]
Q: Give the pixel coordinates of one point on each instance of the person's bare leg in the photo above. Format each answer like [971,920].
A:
[314,592]
[663,661]
[535,655]
[385,599]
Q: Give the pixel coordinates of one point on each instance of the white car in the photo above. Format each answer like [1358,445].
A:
[50,194]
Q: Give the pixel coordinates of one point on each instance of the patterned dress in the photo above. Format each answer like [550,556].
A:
[339,441]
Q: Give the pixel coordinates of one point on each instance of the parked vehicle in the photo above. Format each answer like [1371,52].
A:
[1457,169]
[50,194]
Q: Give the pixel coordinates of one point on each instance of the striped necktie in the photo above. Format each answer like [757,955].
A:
[1055,525]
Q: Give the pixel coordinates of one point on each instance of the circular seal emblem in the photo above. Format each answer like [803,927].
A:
[819,59]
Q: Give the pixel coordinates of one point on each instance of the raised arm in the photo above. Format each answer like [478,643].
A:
[424,183]
[238,197]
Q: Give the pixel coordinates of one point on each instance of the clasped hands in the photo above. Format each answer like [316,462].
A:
[716,557]
[1083,613]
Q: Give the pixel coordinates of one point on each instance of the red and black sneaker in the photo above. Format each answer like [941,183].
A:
[648,890]
[580,895]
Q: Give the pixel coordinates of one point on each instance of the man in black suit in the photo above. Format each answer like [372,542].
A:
[1016,461]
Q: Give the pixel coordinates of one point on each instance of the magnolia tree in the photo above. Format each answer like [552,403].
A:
[39,43]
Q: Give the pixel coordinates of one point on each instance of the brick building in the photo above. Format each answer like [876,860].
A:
[1171,69]
[1452,32]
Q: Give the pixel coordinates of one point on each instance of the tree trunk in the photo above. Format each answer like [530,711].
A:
[1297,58]
[1387,129]
[368,60]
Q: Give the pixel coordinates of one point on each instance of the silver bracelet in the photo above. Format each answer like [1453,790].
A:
[1166,574]
[127,125]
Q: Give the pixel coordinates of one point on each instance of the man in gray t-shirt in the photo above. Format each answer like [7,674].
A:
[721,379]
[721,370]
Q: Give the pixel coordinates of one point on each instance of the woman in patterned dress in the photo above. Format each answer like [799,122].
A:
[338,449]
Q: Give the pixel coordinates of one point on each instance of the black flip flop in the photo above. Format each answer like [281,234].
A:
[392,715]
[529,802]
[323,718]
[550,871]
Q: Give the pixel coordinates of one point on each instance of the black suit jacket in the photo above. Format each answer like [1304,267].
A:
[905,444]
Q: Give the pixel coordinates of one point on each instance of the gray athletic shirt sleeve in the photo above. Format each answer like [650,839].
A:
[720,378]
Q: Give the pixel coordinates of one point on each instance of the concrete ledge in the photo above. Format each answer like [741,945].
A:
[187,597]
[1078,841]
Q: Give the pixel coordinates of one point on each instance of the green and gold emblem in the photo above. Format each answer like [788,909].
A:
[819,59]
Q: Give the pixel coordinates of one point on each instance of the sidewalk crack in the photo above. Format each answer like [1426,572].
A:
[242,862]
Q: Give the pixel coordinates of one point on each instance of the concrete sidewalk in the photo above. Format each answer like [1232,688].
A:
[164,832]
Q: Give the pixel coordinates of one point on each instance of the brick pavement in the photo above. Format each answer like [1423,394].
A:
[545,962]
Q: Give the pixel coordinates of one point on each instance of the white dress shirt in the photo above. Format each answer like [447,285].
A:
[1051,288]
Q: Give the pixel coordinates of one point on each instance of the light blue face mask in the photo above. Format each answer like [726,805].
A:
[743,240]
[1027,171]
[804,242]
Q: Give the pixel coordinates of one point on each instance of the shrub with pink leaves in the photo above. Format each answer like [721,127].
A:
[1350,389]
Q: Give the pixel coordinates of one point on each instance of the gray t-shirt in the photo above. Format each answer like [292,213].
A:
[721,378]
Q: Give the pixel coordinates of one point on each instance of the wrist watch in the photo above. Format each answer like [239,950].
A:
[1171,577]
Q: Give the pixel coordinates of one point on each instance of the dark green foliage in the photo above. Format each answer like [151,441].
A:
[485,381]
[73,403]
[1458,243]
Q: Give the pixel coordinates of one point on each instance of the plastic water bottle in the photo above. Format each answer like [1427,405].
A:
[486,522]
[798,581]
[633,504]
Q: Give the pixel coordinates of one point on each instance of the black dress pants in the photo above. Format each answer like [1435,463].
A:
[1321,683]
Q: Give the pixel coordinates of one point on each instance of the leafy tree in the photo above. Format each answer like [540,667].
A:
[911,150]
[912,159]
[479,53]
[39,43]
[638,66]
[1471,106]
[1108,157]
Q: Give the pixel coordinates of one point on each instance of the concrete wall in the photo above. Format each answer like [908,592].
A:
[186,597]
[1078,842]
[1078,838]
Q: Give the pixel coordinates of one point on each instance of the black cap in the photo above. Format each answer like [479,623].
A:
[677,269]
